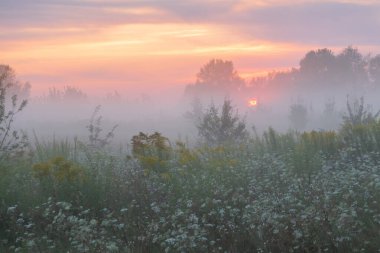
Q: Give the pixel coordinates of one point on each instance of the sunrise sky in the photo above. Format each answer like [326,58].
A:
[135,45]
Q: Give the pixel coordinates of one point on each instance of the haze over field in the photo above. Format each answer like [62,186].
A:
[139,59]
[189,126]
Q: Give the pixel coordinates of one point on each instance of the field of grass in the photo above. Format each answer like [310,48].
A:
[293,192]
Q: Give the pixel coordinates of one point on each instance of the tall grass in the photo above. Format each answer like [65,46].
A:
[48,149]
[293,192]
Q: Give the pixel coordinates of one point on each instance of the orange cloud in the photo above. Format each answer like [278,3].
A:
[135,57]
[130,44]
[140,40]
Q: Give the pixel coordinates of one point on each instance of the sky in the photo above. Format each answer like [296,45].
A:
[136,46]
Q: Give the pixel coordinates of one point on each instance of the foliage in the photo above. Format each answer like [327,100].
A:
[358,114]
[221,128]
[59,177]
[95,129]
[310,150]
[68,94]
[218,73]
[321,71]
[352,67]
[314,191]
[216,199]
[318,68]
[153,151]
[275,142]
[57,169]
[12,142]
[217,78]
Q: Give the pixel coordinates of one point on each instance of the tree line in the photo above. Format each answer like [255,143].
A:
[319,69]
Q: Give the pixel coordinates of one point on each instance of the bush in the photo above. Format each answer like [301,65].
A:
[11,141]
[358,114]
[225,127]
[153,151]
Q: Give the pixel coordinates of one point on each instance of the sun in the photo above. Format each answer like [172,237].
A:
[252,102]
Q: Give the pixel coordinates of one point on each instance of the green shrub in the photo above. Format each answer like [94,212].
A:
[222,128]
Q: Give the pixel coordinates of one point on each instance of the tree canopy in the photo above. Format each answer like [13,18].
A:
[322,70]
[319,70]
[216,78]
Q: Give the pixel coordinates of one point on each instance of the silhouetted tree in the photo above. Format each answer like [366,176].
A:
[320,71]
[73,93]
[359,114]
[351,68]
[69,93]
[220,128]
[216,78]
[15,87]
[318,68]
[11,141]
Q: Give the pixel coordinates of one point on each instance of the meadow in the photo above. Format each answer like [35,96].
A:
[316,191]
[221,126]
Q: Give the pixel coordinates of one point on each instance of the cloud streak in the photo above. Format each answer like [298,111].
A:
[51,35]
[336,22]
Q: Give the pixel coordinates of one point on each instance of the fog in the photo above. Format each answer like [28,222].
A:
[189,126]
[322,85]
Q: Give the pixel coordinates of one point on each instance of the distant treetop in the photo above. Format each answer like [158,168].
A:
[217,78]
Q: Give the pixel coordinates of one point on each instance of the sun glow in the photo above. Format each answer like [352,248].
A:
[98,55]
[252,102]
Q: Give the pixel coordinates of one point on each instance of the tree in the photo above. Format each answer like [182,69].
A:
[318,68]
[298,116]
[216,78]
[358,114]
[321,68]
[352,67]
[374,69]
[220,128]
[69,94]
[11,141]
